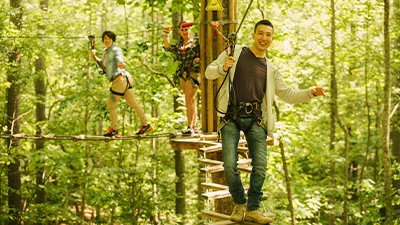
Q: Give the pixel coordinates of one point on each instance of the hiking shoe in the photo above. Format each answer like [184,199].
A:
[187,132]
[144,129]
[238,212]
[111,133]
[258,217]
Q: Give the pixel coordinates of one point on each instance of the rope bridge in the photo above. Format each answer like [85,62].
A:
[85,137]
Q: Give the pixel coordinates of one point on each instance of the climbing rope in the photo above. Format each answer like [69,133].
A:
[232,38]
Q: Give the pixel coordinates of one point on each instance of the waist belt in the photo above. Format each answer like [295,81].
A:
[120,93]
[128,85]
[245,109]
[117,78]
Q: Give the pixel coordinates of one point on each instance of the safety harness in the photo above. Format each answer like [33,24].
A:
[118,76]
[242,109]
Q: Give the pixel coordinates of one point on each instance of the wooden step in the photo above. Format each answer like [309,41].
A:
[223,222]
[217,162]
[211,162]
[214,186]
[209,136]
[228,222]
[244,162]
[212,195]
[242,142]
[212,169]
[243,149]
[210,149]
[215,216]
[220,168]
[216,195]
[245,168]
[222,218]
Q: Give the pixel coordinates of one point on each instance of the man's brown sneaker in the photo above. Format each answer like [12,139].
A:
[258,217]
[238,212]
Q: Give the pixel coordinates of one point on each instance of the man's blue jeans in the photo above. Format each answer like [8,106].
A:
[256,140]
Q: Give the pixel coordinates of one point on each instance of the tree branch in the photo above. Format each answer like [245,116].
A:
[156,72]
[394,110]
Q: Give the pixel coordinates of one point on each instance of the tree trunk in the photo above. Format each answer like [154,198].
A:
[386,120]
[13,124]
[180,205]
[180,182]
[288,183]
[331,197]
[336,118]
[346,168]
[377,165]
[155,113]
[395,120]
[368,108]
[40,90]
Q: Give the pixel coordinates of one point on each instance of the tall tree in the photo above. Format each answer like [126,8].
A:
[386,119]
[13,116]
[368,106]
[333,106]
[180,205]
[395,120]
[40,90]
[335,118]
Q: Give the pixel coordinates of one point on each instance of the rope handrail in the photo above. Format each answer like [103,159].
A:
[82,137]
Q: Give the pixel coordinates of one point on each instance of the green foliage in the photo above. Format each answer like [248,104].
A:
[129,182]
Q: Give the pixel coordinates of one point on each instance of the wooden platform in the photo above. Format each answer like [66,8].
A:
[207,143]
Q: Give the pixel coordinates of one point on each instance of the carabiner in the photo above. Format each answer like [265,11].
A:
[248,107]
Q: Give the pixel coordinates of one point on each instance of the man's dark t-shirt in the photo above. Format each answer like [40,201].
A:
[249,83]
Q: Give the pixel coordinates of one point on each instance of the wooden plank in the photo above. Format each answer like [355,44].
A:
[212,136]
[184,145]
[210,149]
[213,169]
[245,168]
[216,195]
[214,186]
[190,143]
[211,162]
[244,162]
[212,195]
[217,162]
[213,148]
[220,168]
[224,222]
[243,149]
[242,142]
[215,216]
